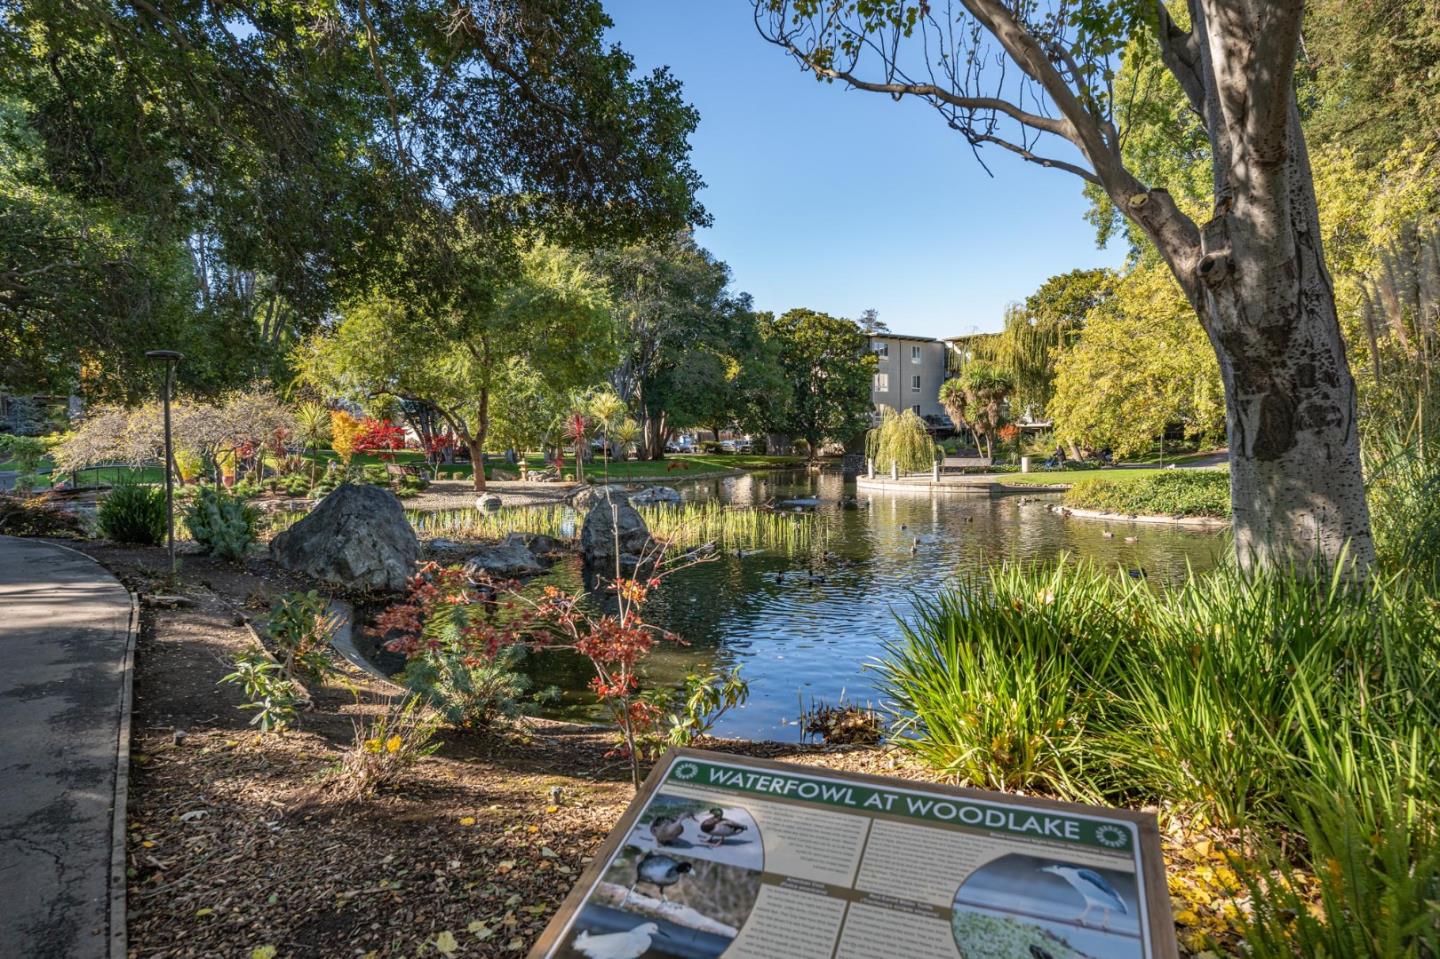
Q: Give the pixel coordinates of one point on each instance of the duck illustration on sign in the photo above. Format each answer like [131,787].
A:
[666,830]
[662,872]
[717,828]
[700,829]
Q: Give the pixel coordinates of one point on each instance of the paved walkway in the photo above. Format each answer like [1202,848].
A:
[64,686]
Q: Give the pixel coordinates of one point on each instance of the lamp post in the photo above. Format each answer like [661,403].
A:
[171,359]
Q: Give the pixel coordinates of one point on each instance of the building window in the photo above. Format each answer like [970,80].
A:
[915,383]
[882,382]
[882,349]
[914,354]
[915,409]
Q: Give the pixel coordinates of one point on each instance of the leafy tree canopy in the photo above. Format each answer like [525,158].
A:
[826,361]
[287,148]
[1108,393]
[476,355]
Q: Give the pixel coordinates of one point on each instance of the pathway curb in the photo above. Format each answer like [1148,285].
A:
[119,940]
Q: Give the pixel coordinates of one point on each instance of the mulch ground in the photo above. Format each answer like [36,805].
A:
[239,845]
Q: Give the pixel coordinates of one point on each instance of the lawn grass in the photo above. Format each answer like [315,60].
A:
[1197,492]
[1120,474]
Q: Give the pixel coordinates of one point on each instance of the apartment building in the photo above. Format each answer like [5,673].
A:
[908,374]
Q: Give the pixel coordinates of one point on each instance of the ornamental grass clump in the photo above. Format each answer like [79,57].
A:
[1299,716]
[1001,682]
[134,514]
[386,748]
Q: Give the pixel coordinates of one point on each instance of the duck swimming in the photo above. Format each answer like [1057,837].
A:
[666,829]
[660,871]
[717,828]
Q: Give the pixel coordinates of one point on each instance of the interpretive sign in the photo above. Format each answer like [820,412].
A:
[752,859]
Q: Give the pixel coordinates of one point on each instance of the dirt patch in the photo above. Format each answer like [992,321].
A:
[237,843]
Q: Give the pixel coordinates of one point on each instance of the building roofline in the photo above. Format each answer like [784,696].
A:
[902,336]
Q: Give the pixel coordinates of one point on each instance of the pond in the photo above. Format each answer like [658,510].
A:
[803,627]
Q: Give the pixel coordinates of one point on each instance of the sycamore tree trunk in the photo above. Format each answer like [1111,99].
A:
[1255,274]
[1297,492]
[654,435]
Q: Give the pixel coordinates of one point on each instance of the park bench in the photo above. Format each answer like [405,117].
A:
[399,471]
[958,464]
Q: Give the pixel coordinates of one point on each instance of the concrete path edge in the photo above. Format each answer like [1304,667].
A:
[119,941]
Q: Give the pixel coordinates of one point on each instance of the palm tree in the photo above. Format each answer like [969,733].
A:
[312,427]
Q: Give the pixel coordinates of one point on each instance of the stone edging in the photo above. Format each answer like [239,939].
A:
[985,488]
[1193,522]
[119,942]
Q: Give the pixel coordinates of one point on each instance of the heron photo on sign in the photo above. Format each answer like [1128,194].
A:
[1042,908]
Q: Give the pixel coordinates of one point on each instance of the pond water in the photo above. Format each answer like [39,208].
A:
[801,637]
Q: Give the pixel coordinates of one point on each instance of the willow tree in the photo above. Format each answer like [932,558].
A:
[1038,80]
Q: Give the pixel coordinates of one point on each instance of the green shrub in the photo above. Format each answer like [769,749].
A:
[296,484]
[1172,493]
[300,629]
[273,698]
[221,523]
[695,709]
[131,513]
[247,489]
[471,693]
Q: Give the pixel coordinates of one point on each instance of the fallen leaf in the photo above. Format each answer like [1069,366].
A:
[445,943]
[262,952]
[467,820]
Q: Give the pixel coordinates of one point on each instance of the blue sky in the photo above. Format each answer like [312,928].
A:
[840,200]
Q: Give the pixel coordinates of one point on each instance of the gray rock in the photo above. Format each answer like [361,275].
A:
[651,495]
[587,496]
[537,543]
[488,501]
[357,537]
[610,526]
[511,559]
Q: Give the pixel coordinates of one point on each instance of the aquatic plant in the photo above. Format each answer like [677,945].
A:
[1301,714]
[689,525]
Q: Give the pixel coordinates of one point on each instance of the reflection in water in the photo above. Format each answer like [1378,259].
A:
[810,633]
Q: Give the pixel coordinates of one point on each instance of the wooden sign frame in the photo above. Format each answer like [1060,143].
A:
[986,820]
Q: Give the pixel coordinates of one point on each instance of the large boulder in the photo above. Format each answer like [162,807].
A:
[511,559]
[651,495]
[586,497]
[357,538]
[609,525]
